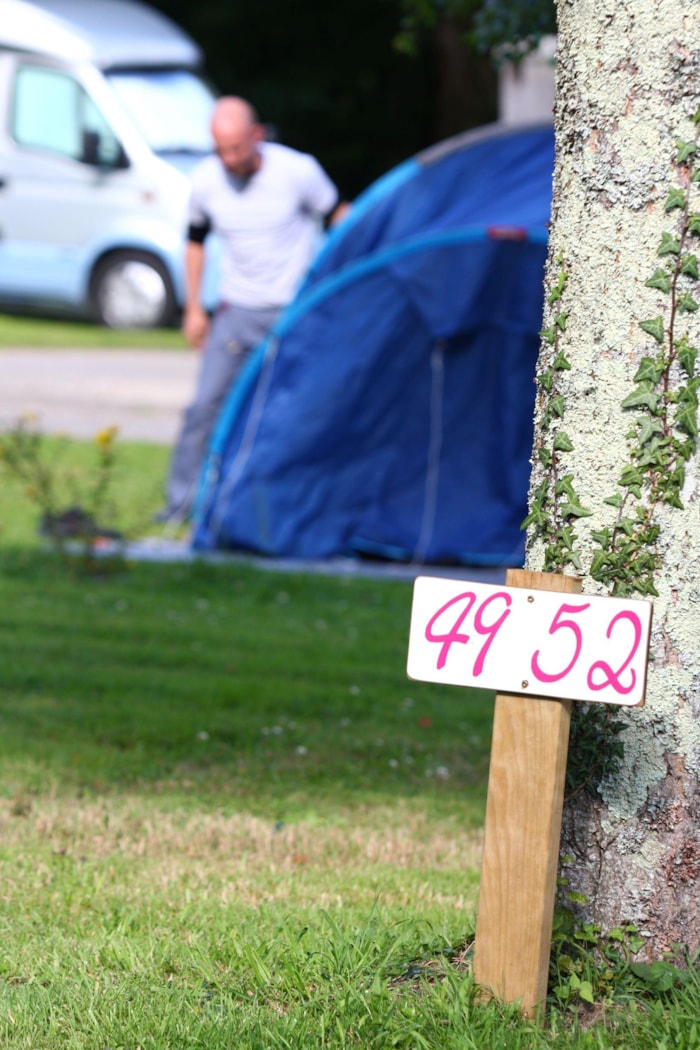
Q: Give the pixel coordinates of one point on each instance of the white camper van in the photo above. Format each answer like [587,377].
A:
[103,111]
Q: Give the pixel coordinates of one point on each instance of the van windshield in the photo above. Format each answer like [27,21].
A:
[172,108]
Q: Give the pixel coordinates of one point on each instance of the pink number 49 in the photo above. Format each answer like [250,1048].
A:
[484,626]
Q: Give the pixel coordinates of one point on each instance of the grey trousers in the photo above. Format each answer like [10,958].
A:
[234,333]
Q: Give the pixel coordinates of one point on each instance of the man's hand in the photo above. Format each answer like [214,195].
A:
[195,325]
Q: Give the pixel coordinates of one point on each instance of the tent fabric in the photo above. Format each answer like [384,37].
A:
[390,411]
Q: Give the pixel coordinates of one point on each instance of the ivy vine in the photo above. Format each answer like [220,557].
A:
[662,438]
[664,434]
[555,504]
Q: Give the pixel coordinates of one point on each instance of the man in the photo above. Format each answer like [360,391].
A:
[265,201]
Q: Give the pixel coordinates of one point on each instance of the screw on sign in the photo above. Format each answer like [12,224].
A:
[540,644]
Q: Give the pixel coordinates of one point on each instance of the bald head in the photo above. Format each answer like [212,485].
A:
[237,134]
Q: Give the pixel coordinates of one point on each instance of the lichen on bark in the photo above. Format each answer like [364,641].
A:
[628,86]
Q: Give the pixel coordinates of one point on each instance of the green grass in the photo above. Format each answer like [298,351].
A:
[46,333]
[227,819]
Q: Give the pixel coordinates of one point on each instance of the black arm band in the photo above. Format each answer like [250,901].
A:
[197,234]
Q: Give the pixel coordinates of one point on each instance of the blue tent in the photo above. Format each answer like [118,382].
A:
[390,412]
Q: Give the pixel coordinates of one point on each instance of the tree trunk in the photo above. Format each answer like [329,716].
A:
[628,87]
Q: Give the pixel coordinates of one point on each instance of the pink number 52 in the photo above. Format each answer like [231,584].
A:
[560,624]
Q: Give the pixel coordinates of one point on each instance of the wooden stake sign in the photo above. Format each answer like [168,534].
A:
[525,639]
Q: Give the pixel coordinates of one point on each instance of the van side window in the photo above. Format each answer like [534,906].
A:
[52,112]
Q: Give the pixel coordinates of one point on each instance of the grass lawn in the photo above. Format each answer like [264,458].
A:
[228,820]
[43,333]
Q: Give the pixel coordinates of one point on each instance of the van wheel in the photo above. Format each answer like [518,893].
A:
[132,289]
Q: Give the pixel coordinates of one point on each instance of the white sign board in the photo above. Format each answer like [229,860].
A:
[540,643]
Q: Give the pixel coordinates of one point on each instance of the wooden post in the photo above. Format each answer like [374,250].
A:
[523,826]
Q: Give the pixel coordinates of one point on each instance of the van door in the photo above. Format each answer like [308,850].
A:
[58,182]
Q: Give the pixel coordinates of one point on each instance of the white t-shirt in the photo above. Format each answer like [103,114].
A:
[268,224]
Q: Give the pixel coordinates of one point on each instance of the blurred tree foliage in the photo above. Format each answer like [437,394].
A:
[509,27]
[362,84]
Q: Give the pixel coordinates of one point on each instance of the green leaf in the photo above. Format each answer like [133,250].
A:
[549,335]
[686,304]
[684,150]
[669,245]
[614,501]
[687,355]
[560,321]
[694,223]
[649,427]
[562,442]
[659,279]
[574,510]
[687,421]
[642,398]
[561,362]
[546,379]
[654,327]
[689,266]
[675,199]
[659,975]
[557,405]
[585,992]
[649,371]
[545,456]
[632,478]
[558,289]
[565,487]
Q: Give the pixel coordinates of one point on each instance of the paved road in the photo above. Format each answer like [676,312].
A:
[79,392]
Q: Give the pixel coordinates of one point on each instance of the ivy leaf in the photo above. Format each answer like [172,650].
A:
[546,380]
[535,517]
[560,321]
[631,476]
[648,372]
[565,488]
[694,223]
[685,150]
[557,405]
[566,537]
[689,266]
[574,510]
[654,327]
[659,279]
[549,335]
[602,537]
[642,398]
[561,362]
[686,304]
[562,442]
[675,199]
[557,291]
[648,428]
[687,420]
[669,245]
[614,501]
[545,456]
